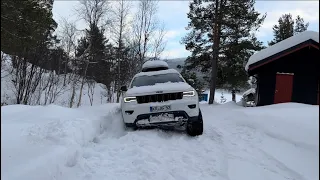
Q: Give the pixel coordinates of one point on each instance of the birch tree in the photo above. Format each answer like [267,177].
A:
[119,29]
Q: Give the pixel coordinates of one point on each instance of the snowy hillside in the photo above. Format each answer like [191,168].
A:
[277,142]
[98,93]
[60,94]
[173,63]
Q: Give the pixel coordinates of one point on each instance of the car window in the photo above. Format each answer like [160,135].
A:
[152,80]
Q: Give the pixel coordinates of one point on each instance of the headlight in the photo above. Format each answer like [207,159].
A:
[129,99]
[189,93]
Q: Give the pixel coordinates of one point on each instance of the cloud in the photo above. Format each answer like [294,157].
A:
[174,49]
[308,10]
[174,15]
[171,34]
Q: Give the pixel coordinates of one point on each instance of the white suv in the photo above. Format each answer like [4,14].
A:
[160,97]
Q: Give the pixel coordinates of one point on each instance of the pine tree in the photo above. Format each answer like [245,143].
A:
[283,30]
[27,35]
[287,27]
[300,26]
[25,24]
[221,39]
[193,80]
[99,61]
[96,68]
[83,44]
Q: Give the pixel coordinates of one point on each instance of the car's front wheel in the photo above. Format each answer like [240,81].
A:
[195,128]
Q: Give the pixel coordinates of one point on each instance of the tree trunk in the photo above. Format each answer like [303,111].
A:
[215,55]
[119,50]
[72,95]
[82,83]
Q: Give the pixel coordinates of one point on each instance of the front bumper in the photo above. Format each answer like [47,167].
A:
[138,114]
[180,118]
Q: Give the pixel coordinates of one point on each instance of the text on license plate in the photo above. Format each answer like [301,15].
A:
[160,108]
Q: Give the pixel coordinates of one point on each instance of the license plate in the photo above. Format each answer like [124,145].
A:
[160,108]
[162,118]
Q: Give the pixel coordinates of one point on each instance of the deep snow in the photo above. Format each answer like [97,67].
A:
[277,142]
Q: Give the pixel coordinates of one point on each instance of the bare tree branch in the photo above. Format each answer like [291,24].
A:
[93,11]
[146,41]
[119,29]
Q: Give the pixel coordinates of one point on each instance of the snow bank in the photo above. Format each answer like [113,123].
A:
[41,142]
[167,87]
[282,45]
[155,64]
[293,122]
[277,141]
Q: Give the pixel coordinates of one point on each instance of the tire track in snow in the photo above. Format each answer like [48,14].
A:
[282,166]
[154,154]
[216,135]
[295,143]
[256,155]
[242,139]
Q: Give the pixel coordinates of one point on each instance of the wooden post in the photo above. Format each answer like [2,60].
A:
[233,92]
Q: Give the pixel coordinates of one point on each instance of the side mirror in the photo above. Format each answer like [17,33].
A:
[124,88]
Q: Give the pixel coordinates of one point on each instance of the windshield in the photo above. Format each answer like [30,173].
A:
[159,78]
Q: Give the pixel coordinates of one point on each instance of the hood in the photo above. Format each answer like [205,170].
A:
[165,87]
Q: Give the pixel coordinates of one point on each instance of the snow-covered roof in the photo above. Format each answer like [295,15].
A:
[155,64]
[152,73]
[282,45]
[249,91]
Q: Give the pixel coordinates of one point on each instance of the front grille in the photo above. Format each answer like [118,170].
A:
[159,97]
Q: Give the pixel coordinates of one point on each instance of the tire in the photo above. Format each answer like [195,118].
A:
[195,128]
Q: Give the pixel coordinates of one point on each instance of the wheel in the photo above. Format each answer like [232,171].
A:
[195,128]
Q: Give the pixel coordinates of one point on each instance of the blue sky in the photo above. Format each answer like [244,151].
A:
[174,15]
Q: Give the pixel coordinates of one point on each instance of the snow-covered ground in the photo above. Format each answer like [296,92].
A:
[277,142]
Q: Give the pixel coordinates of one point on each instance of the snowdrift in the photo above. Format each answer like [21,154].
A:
[41,142]
[277,142]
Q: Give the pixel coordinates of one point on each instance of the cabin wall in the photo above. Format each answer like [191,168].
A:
[305,89]
[304,64]
[304,61]
[266,88]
